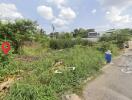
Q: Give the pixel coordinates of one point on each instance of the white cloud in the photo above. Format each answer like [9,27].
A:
[114,16]
[59,22]
[64,16]
[9,11]
[46,12]
[115,9]
[59,3]
[93,11]
[67,13]
[107,12]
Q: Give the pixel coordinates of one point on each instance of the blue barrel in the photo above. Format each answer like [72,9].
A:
[108,57]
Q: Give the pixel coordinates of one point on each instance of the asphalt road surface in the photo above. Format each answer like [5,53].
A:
[115,83]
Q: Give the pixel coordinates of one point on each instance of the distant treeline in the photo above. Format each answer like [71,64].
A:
[80,32]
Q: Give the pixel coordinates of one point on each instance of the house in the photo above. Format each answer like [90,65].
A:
[92,36]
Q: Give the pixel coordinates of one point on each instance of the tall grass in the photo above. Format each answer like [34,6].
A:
[42,83]
[68,43]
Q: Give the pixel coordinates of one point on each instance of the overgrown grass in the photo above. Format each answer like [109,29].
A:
[40,82]
[36,49]
[68,43]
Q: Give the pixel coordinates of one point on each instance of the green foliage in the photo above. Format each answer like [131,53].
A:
[5,59]
[117,37]
[39,80]
[42,39]
[18,32]
[83,33]
[23,92]
[62,35]
[104,46]
[61,43]
[68,43]
[30,92]
[43,84]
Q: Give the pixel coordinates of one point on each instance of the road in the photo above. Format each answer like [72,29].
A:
[115,83]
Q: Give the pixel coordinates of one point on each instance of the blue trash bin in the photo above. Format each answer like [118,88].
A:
[108,56]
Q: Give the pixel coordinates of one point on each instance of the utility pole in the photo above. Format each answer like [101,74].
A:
[53,30]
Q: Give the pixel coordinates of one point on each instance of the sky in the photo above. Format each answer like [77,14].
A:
[66,15]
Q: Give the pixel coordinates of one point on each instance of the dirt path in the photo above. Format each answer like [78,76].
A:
[115,83]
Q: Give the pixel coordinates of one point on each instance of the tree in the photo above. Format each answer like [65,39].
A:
[118,36]
[21,30]
[83,33]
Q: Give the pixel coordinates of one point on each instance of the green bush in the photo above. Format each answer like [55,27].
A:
[117,37]
[86,42]
[54,44]
[104,46]
[61,43]
[5,59]
[68,43]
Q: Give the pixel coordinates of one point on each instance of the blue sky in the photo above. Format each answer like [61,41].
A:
[67,15]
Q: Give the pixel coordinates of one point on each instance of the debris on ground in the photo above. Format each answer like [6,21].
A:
[27,58]
[8,81]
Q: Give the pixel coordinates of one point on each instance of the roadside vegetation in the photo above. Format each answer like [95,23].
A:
[45,67]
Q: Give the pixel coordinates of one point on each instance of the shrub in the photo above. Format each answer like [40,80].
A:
[104,46]
[86,42]
[68,43]
[5,59]
[117,37]
[54,44]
